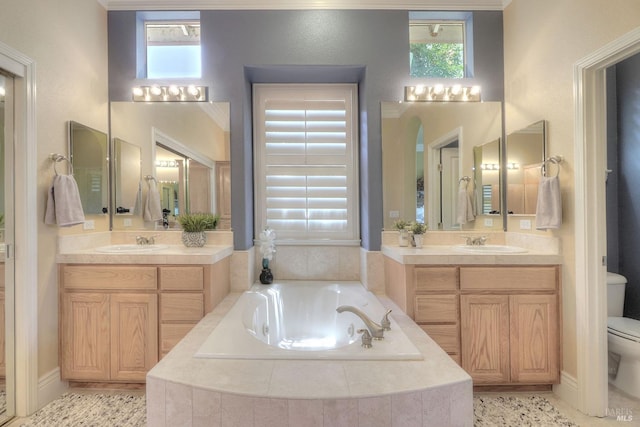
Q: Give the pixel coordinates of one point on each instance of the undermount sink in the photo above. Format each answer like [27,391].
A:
[491,249]
[130,249]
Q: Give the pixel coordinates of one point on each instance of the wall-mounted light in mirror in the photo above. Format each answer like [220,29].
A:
[88,148]
[525,152]
[428,147]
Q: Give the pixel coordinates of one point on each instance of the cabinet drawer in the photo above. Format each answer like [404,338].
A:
[542,278]
[437,308]
[171,334]
[109,277]
[436,278]
[181,306]
[181,278]
[446,336]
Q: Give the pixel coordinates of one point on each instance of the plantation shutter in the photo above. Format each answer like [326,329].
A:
[305,161]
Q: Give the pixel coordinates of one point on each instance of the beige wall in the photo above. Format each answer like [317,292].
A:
[68,42]
[543,39]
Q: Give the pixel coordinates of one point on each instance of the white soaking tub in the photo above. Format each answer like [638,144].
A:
[298,320]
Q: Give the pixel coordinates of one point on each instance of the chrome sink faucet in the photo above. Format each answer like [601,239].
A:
[141,240]
[476,241]
[376,330]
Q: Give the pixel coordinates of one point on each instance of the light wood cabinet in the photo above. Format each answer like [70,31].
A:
[117,321]
[500,323]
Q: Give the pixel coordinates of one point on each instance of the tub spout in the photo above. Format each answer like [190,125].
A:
[376,330]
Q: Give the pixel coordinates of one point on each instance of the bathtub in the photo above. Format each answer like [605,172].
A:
[298,320]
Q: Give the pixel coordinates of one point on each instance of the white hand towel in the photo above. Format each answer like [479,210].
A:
[137,207]
[463,208]
[471,204]
[152,207]
[64,207]
[549,205]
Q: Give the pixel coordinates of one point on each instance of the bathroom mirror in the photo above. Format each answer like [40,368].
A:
[88,152]
[525,152]
[127,192]
[427,148]
[197,137]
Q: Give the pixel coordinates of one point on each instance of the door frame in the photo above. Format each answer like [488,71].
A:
[590,220]
[433,161]
[25,229]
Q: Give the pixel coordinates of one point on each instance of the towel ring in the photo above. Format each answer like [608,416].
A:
[150,178]
[556,160]
[57,158]
[464,178]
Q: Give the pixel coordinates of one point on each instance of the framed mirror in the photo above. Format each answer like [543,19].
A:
[127,188]
[525,152]
[180,145]
[427,149]
[88,151]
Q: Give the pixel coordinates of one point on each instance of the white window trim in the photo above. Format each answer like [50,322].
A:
[347,92]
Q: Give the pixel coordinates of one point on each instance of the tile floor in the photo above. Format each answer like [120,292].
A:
[619,404]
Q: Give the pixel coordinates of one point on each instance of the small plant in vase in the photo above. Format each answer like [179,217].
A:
[417,230]
[194,226]
[267,249]
[403,232]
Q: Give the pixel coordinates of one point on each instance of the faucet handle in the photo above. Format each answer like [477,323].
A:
[385,322]
[366,338]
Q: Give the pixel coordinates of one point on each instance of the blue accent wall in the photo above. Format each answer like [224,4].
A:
[628,166]
[367,47]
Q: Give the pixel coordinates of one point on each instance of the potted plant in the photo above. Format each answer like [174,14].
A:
[403,232]
[194,226]
[417,230]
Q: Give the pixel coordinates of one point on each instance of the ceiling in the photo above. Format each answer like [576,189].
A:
[304,4]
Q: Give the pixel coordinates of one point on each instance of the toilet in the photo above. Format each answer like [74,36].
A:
[623,338]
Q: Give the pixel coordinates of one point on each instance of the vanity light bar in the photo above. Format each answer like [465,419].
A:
[442,93]
[172,93]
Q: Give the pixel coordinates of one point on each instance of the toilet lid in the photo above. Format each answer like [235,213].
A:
[616,279]
[624,327]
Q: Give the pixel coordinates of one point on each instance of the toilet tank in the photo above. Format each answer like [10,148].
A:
[615,294]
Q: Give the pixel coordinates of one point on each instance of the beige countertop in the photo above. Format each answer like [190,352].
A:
[173,254]
[450,254]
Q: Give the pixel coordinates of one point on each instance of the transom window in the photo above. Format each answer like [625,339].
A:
[437,49]
[305,143]
[441,44]
[172,46]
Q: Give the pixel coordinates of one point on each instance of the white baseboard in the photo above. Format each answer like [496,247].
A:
[567,390]
[50,387]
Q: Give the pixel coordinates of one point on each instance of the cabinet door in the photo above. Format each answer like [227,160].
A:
[85,336]
[485,337]
[134,336]
[534,339]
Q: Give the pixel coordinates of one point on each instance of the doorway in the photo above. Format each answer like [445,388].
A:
[7,377]
[590,220]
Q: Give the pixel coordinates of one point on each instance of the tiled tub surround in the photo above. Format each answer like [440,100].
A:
[187,391]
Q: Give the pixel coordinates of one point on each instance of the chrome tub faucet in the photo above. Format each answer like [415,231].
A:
[376,330]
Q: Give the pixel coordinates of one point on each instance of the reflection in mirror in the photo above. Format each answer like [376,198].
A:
[88,148]
[126,178]
[525,152]
[442,137]
[193,135]
[487,176]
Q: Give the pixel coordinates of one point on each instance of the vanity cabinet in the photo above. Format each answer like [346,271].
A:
[108,323]
[510,324]
[117,321]
[501,323]
[437,307]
